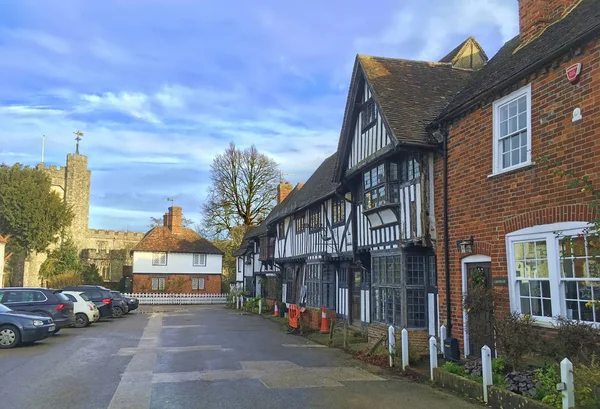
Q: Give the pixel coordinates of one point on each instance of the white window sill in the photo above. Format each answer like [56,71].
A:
[522,166]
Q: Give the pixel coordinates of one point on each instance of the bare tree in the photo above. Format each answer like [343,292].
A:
[242,191]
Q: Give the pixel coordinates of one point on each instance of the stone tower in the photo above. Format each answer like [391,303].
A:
[77,194]
[107,249]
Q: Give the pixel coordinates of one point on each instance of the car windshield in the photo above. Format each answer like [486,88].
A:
[4,308]
[85,297]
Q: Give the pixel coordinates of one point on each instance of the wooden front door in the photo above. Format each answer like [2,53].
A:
[355,282]
[480,322]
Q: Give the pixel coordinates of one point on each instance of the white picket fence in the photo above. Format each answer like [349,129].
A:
[178,299]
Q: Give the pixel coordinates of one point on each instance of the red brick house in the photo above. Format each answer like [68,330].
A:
[496,190]
[175,259]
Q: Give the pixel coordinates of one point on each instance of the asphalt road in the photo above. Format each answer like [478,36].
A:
[198,357]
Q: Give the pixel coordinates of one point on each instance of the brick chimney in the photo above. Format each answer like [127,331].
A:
[536,15]
[283,190]
[173,219]
[166,219]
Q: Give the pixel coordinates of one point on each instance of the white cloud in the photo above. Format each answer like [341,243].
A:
[42,39]
[445,19]
[136,104]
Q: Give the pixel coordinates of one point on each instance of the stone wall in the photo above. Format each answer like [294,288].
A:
[177,283]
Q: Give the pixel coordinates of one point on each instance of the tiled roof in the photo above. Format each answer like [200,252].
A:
[411,94]
[318,187]
[188,241]
[511,64]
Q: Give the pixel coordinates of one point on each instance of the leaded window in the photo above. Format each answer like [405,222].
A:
[199,260]
[328,286]
[400,286]
[315,218]
[339,210]
[159,259]
[300,223]
[368,114]
[382,184]
[197,283]
[158,283]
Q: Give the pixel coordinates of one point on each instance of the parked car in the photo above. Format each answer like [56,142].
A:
[23,328]
[99,295]
[40,301]
[132,303]
[119,304]
[86,311]
[119,298]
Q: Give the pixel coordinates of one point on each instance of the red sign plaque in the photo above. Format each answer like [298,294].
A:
[573,73]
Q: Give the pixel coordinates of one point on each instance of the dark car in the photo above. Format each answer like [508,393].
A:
[132,303]
[17,328]
[40,301]
[99,295]
[119,301]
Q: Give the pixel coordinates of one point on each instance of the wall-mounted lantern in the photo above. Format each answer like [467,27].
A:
[465,246]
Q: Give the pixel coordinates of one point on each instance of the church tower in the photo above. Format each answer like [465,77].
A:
[77,193]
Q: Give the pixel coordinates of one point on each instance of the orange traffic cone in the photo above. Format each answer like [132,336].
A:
[324,327]
[276,310]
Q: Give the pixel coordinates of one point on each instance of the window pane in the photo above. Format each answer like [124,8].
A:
[416,308]
[506,160]
[567,268]
[522,104]
[524,286]
[393,172]
[503,128]
[523,154]
[373,177]
[367,180]
[512,125]
[545,289]
[522,120]
[512,108]
[525,306]
[515,157]
[381,173]
[504,113]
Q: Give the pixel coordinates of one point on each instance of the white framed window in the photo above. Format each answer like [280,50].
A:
[554,270]
[512,131]
[158,283]
[159,259]
[199,260]
[197,283]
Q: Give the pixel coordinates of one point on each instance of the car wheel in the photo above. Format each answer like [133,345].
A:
[81,320]
[117,312]
[10,337]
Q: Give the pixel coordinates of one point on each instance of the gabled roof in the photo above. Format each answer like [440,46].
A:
[469,55]
[161,238]
[409,94]
[319,186]
[511,64]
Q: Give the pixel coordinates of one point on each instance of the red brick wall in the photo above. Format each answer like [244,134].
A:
[419,340]
[177,283]
[489,208]
[311,318]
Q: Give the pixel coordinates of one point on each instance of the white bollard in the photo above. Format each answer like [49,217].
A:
[433,354]
[238,302]
[567,386]
[443,334]
[260,307]
[391,344]
[404,349]
[486,370]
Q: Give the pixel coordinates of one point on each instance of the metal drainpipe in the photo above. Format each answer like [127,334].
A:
[447,238]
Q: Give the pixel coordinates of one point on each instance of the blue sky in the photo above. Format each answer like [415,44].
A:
[159,87]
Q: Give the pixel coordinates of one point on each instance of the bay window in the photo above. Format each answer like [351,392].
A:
[400,286]
[555,271]
[382,184]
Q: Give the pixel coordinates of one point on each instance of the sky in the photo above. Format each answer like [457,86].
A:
[159,87]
